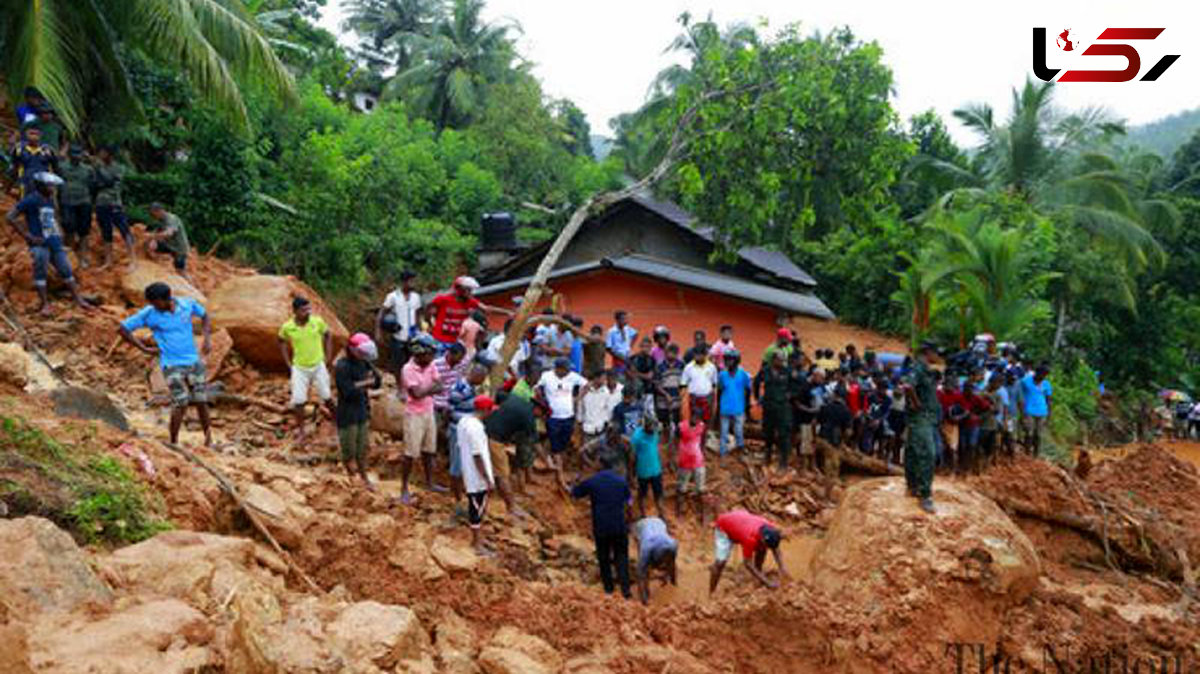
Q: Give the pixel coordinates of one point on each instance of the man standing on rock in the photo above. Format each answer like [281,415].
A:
[75,198]
[400,317]
[354,374]
[305,342]
[756,535]
[920,391]
[420,383]
[169,319]
[43,234]
[110,214]
[478,479]
[611,498]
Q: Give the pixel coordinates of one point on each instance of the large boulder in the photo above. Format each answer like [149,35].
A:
[387,415]
[133,283]
[14,364]
[179,564]
[41,569]
[920,581]
[383,635]
[164,636]
[253,307]
[78,402]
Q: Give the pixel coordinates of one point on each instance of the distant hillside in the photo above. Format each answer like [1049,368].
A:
[601,146]
[1167,133]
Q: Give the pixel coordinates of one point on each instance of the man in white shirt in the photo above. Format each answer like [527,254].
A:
[560,389]
[601,397]
[401,317]
[700,379]
[475,459]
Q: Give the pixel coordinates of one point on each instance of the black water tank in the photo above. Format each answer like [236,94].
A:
[499,232]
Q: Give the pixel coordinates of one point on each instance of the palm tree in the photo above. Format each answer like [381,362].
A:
[454,64]
[71,50]
[388,26]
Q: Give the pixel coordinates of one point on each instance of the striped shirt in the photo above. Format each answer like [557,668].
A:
[449,376]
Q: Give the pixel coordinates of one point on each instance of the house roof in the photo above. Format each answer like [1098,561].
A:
[770,261]
[702,279]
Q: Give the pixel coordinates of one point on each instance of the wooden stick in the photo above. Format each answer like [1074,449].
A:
[249,400]
[228,487]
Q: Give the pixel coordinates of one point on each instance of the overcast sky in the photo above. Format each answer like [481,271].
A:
[602,54]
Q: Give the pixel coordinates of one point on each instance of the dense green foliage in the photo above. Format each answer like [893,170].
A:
[90,494]
[1166,134]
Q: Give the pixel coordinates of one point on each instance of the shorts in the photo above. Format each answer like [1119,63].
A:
[477,503]
[806,439]
[669,418]
[112,216]
[689,475]
[353,441]
[524,458]
[420,434]
[398,351]
[559,432]
[650,483]
[52,253]
[701,409]
[499,454]
[1038,424]
[304,378]
[77,219]
[186,384]
[723,546]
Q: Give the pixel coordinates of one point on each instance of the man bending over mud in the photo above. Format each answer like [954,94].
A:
[169,319]
[756,535]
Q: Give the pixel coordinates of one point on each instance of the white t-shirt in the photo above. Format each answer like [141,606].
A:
[560,392]
[473,442]
[699,379]
[404,309]
[596,407]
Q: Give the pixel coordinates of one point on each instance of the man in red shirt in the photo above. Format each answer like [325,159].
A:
[451,309]
[756,535]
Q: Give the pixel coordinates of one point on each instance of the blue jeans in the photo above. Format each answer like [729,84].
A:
[739,427]
[51,252]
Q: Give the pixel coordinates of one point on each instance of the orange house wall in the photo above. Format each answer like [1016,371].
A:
[594,296]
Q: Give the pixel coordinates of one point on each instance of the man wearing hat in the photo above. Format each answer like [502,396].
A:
[476,464]
[420,383]
[920,391]
[449,310]
[354,374]
[76,201]
[44,236]
[782,343]
[756,535]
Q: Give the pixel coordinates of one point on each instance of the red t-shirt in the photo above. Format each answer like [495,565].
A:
[451,310]
[690,455]
[854,399]
[744,529]
[949,399]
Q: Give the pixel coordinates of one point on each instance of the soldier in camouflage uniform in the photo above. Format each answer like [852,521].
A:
[75,200]
[921,394]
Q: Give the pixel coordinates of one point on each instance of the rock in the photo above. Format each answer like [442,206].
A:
[41,569]
[253,307]
[14,364]
[504,661]
[165,637]
[511,638]
[378,633]
[179,564]
[387,415]
[222,344]
[14,650]
[452,556]
[134,282]
[955,572]
[83,403]
[275,513]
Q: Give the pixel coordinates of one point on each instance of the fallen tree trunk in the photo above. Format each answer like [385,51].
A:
[223,397]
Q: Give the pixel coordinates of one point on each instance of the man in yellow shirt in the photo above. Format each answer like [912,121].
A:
[306,342]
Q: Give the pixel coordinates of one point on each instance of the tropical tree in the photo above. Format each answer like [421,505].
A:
[71,50]
[388,28]
[454,64]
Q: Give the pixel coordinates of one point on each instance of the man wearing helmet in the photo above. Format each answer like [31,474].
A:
[354,374]
[43,233]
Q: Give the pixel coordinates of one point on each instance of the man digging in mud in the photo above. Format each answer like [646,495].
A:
[656,552]
[354,374]
[920,390]
[169,319]
[756,535]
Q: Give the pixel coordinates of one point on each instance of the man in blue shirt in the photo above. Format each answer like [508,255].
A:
[43,233]
[1036,392]
[620,340]
[733,387]
[610,497]
[169,319]
[648,463]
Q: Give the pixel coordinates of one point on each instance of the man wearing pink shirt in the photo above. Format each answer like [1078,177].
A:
[421,383]
[755,535]
[724,344]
